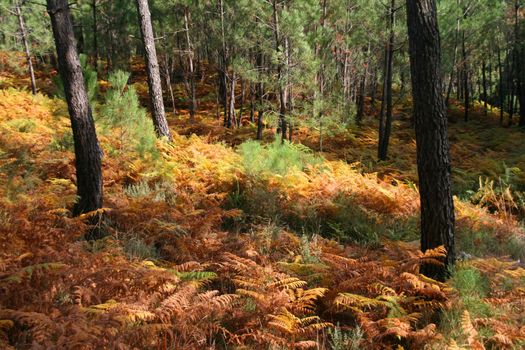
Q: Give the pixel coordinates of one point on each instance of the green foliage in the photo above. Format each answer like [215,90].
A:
[275,158]
[21,124]
[136,248]
[63,142]
[90,81]
[346,340]
[161,192]
[122,111]
[309,251]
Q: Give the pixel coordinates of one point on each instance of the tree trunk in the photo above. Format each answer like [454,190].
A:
[152,68]
[95,30]
[168,70]
[362,89]
[510,82]
[191,70]
[241,107]
[87,150]
[23,34]
[484,83]
[385,129]
[282,99]
[231,112]
[260,94]
[433,160]
[223,71]
[500,88]
[252,102]
[465,77]
[454,59]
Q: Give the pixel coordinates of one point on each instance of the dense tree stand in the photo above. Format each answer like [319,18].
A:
[433,160]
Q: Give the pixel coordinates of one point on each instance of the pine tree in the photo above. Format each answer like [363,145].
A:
[433,160]
[87,150]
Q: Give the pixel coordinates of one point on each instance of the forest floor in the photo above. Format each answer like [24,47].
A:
[218,242]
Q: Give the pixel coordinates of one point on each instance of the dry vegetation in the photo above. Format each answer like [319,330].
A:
[211,247]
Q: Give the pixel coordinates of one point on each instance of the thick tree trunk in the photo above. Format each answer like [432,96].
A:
[152,68]
[87,150]
[433,160]
[23,34]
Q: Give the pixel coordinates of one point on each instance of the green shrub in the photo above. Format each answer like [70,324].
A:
[275,158]
[136,248]
[90,81]
[122,112]
[22,124]
[63,142]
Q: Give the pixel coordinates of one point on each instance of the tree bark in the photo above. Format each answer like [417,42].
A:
[484,83]
[23,34]
[282,98]
[95,30]
[433,160]
[191,70]
[465,77]
[454,59]
[152,68]
[386,124]
[500,88]
[87,150]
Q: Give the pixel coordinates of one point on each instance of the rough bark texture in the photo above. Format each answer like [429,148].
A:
[433,160]
[23,34]
[152,68]
[87,150]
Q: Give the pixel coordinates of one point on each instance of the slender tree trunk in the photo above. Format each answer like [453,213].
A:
[282,99]
[87,150]
[484,83]
[465,77]
[252,102]
[362,89]
[260,94]
[23,34]
[454,59]
[191,70]
[241,107]
[385,137]
[152,68]
[95,30]
[167,78]
[510,70]
[433,160]
[231,113]
[500,88]
[223,71]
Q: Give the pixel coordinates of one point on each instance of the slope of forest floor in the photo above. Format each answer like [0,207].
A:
[253,246]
